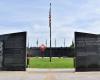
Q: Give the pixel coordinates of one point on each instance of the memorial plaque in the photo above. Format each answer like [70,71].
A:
[87,47]
[14,51]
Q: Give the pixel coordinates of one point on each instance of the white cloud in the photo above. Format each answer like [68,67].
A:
[68,16]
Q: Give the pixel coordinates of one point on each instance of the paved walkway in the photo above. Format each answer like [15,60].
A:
[49,74]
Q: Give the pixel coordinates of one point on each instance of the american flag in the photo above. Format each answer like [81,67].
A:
[50,16]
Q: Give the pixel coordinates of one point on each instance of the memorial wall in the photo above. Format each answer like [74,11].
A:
[13,52]
[87,52]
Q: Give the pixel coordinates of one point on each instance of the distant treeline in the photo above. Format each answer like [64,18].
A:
[56,52]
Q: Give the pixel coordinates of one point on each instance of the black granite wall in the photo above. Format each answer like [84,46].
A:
[87,52]
[14,51]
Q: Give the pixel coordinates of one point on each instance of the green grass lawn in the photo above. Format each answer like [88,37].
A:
[35,62]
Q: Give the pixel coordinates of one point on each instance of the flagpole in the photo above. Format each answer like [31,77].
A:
[37,42]
[50,31]
[46,42]
[64,42]
[55,42]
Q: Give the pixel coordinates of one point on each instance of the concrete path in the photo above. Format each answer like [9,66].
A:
[49,74]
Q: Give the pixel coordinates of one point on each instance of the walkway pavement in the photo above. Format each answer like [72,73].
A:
[49,74]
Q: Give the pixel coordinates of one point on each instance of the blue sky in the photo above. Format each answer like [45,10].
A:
[68,16]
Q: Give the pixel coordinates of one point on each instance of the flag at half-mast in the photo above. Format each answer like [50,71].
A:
[50,16]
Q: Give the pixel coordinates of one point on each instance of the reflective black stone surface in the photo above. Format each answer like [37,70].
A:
[14,51]
[87,52]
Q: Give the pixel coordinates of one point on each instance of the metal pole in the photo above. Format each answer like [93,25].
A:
[64,42]
[46,42]
[55,42]
[37,42]
[50,31]
[50,45]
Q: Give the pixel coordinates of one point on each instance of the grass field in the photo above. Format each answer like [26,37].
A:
[35,62]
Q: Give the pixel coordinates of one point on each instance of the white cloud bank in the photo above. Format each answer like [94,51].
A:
[68,16]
